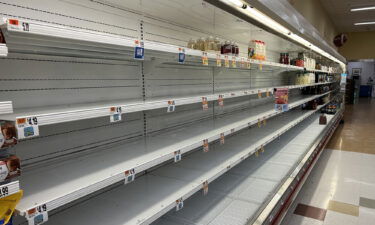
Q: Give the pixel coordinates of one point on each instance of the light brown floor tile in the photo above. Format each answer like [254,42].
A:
[367,202]
[344,208]
[310,211]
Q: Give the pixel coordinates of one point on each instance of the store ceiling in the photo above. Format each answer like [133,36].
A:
[344,19]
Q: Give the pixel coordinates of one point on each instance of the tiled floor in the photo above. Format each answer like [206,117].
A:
[343,181]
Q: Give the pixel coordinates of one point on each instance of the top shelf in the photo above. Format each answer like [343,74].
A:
[48,39]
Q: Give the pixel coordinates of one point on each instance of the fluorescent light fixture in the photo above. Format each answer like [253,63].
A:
[363,9]
[364,23]
[272,24]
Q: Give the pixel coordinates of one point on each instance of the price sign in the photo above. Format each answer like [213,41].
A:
[181,55]
[204,58]
[177,156]
[129,176]
[18,25]
[204,103]
[27,127]
[205,187]
[248,64]
[218,60]
[221,100]
[139,50]
[222,138]
[179,204]
[206,147]
[234,62]
[115,114]
[37,215]
[171,106]
[226,61]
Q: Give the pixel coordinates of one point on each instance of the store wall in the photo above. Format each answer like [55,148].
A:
[368,70]
[314,12]
[360,45]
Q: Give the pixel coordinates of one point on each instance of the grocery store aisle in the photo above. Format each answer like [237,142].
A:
[341,188]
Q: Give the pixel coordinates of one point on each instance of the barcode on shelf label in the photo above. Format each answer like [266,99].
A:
[37,215]
[177,156]
[204,58]
[226,61]
[129,176]
[181,55]
[205,187]
[218,60]
[222,138]
[204,103]
[248,64]
[221,100]
[171,106]
[234,63]
[139,50]
[4,191]
[179,204]
[27,127]
[206,146]
[115,114]
[259,93]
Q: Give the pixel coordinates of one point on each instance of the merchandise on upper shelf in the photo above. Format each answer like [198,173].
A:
[211,44]
[305,78]
[257,50]
[10,167]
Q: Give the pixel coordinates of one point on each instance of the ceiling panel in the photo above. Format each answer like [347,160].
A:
[339,11]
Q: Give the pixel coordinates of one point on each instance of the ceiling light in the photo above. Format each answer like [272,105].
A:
[363,9]
[365,23]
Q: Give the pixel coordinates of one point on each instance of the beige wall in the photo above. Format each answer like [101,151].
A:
[314,12]
[360,45]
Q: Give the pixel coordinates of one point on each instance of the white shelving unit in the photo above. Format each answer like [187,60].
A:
[139,203]
[93,172]
[9,188]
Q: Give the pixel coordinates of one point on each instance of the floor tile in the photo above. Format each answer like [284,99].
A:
[344,208]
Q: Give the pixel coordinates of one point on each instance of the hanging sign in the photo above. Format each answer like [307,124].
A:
[27,127]
[281,99]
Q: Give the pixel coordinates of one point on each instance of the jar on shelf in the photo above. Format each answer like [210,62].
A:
[236,49]
[226,48]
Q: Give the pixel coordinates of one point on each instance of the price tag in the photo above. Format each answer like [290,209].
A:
[18,25]
[242,62]
[234,63]
[260,67]
[259,94]
[204,103]
[177,156]
[181,55]
[205,188]
[218,60]
[179,204]
[139,50]
[204,58]
[38,215]
[221,100]
[226,61]
[27,127]
[115,114]
[4,191]
[222,138]
[206,147]
[248,64]
[259,123]
[129,176]
[171,106]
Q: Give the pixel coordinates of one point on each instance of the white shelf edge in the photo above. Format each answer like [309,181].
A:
[6,107]
[60,201]
[102,111]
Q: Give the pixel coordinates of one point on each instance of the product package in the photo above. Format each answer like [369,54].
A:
[281,99]
[8,205]
[8,135]
[10,167]
[322,120]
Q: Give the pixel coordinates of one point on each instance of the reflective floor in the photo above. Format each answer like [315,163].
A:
[341,188]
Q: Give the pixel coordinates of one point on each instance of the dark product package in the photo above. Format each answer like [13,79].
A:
[10,167]
[322,119]
[8,135]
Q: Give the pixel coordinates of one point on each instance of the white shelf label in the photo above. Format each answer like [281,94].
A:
[38,215]
[139,50]
[177,156]
[181,55]
[171,106]
[115,114]
[27,127]
[129,176]
[4,191]
[179,204]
